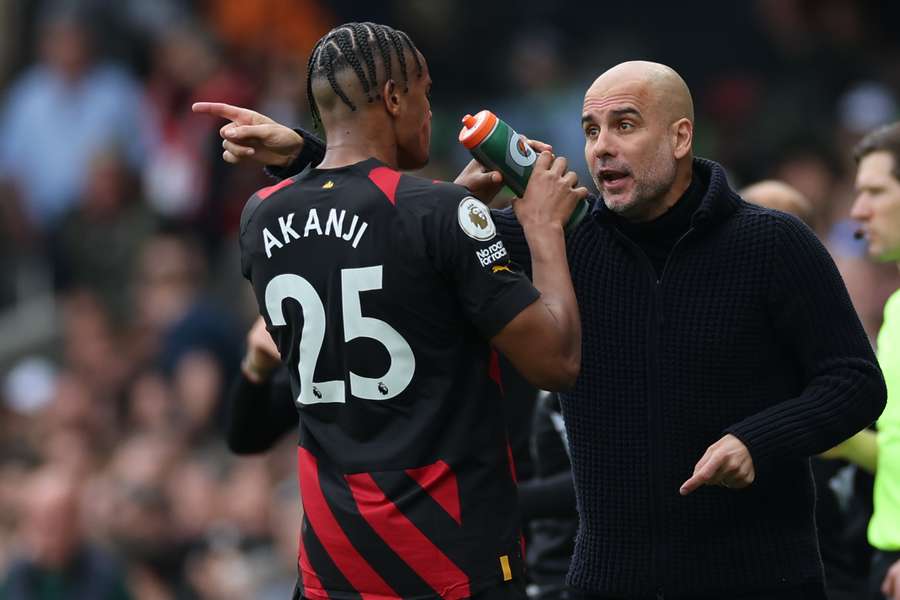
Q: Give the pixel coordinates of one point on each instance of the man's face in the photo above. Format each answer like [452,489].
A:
[628,147]
[877,205]
[414,123]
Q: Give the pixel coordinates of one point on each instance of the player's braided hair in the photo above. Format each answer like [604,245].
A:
[354,46]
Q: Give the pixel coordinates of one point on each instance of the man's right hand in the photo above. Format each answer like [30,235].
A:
[486,184]
[253,136]
[551,195]
[890,587]
[262,354]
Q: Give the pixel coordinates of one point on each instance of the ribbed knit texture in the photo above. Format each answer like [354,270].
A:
[749,331]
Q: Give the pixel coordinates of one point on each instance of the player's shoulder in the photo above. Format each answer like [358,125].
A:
[448,203]
[431,191]
[258,197]
[438,198]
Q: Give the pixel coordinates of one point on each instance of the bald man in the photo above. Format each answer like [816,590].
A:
[778,195]
[720,351]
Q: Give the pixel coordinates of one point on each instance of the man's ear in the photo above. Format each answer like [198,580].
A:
[683,137]
[391,97]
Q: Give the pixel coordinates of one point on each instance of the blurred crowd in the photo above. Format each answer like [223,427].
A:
[122,311]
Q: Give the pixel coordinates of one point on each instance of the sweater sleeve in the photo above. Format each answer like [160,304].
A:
[814,319]
[513,238]
[311,154]
[258,415]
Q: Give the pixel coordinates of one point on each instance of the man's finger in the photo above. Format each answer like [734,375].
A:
[890,587]
[704,459]
[703,474]
[571,178]
[560,165]
[248,132]
[230,158]
[238,150]
[220,109]
[582,192]
[543,162]
[539,146]
[692,484]
[491,177]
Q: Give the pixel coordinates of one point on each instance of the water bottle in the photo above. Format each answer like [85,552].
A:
[498,147]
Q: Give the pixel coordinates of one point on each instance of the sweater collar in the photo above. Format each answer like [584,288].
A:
[718,203]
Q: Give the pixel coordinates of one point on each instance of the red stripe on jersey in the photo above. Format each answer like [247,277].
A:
[440,483]
[387,181]
[407,540]
[494,369]
[348,560]
[512,463]
[312,587]
[268,191]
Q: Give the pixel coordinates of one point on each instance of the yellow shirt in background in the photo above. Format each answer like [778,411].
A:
[884,528]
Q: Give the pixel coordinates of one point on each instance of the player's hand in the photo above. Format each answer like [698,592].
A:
[551,195]
[890,587]
[486,184]
[726,463]
[483,184]
[253,136]
[262,354]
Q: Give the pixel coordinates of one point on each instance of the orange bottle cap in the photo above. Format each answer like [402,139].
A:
[476,128]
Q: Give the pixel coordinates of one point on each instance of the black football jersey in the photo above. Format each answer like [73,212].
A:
[381,291]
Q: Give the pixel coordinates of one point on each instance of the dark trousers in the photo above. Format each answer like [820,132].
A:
[810,591]
[881,562]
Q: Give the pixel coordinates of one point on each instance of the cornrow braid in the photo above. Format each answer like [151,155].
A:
[332,53]
[412,50]
[354,45]
[313,108]
[397,42]
[345,40]
[363,42]
[382,40]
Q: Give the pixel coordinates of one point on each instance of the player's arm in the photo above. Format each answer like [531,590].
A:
[249,135]
[260,405]
[543,341]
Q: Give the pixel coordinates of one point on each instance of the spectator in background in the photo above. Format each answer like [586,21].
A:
[285,28]
[99,241]
[180,320]
[69,95]
[182,180]
[778,195]
[58,563]
[877,208]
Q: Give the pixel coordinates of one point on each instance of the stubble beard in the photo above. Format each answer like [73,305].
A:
[650,188]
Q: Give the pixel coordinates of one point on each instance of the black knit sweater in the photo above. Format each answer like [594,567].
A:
[748,330]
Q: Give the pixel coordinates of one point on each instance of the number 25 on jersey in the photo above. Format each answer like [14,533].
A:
[353,283]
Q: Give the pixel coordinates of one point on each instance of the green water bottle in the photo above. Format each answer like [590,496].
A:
[498,147]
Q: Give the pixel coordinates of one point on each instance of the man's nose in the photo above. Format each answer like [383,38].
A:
[604,145]
[860,209]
